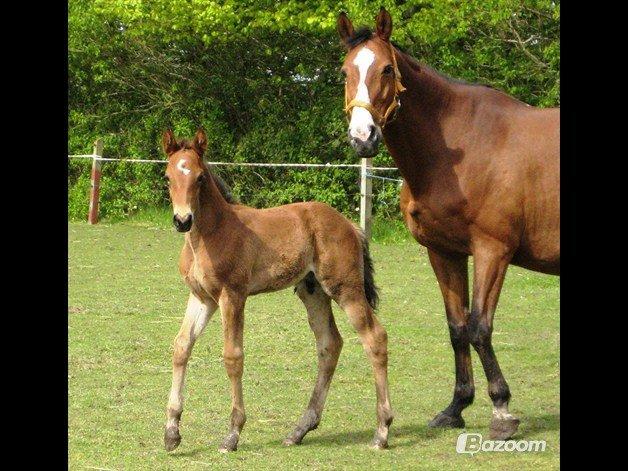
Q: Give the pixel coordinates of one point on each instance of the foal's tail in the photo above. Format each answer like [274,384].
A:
[370,290]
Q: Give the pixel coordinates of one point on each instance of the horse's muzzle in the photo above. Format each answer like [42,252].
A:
[369,147]
[182,224]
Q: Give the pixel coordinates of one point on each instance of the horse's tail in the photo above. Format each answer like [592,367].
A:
[370,289]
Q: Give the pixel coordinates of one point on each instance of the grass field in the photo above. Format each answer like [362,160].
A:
[126,302]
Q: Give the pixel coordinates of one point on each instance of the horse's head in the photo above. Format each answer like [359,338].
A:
[373,81]
[185,173]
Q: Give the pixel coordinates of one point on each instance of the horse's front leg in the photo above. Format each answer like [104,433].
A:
[490,264]
[232,310]
[196,316]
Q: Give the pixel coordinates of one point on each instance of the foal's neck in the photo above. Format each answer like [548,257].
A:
[212,210]
[415,138]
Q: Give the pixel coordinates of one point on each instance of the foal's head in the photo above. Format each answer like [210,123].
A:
[185,173]
[373,81]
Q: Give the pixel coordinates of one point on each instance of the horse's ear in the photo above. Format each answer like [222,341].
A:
[383,24]
[200,142]
[169,143]
[345,28]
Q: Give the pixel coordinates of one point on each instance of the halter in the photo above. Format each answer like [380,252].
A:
[394,105]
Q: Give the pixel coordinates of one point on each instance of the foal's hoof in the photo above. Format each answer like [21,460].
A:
[378,443]
[443,420]
[172,438]
[504,428]
[230,443]
[295,438]
[291,441]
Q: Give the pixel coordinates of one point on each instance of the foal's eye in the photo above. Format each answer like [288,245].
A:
[388,70]
[200,178]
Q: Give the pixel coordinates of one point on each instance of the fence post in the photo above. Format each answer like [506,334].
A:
[366,197]
[94,194]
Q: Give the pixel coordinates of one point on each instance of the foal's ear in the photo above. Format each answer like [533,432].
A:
[383,23]
[169,143]
[200,142]
[345,28]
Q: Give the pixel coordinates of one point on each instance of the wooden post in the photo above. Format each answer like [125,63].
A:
[94,194]
[366,197]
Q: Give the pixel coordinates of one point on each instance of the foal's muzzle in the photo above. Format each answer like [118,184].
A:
[182,224]
[367,148]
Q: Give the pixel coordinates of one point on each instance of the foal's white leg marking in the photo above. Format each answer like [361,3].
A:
[361,119]
[181,167]
[196,317]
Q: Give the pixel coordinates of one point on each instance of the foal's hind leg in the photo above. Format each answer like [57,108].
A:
[328,346]
[490,264]
[453,279]
[375,342]
[196,316]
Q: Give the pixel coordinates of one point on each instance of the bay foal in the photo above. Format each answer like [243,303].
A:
[481,178]
[233,251]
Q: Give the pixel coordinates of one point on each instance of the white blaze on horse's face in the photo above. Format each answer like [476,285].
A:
[181,167]
[361,119]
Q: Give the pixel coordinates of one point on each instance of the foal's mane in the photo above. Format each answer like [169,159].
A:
[225,190]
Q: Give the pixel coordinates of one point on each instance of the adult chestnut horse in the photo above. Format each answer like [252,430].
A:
[481,179]
[232,251]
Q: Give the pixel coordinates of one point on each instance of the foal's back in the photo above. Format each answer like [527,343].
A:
[286,242]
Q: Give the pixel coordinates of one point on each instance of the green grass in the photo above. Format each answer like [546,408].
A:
[126,302]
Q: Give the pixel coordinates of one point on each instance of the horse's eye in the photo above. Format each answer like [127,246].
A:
[167,178]
[200,178]
[388,70]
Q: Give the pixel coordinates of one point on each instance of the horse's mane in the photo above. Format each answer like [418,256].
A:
[364,33]
[360,36]
[225,190]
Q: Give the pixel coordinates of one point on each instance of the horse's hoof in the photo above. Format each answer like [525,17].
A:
[172,438]
[290,442]
[229,444]
[443,420]
[379,443]
[504,428]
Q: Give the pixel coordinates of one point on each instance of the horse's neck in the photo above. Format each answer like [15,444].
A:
[213,209]
[416,138]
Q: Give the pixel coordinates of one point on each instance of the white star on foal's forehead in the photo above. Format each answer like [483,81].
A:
[181,167]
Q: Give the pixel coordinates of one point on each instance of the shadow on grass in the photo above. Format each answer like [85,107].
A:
[541,423]
[399,437]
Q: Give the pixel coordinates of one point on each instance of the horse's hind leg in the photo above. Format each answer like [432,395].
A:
[375,342]
[328,346]
[196,316]
[490,264]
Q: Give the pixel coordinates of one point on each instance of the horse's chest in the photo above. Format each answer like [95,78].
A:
[440,227]
[202,281]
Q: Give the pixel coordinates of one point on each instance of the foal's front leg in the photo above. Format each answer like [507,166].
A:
[196,316]
[232,310]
